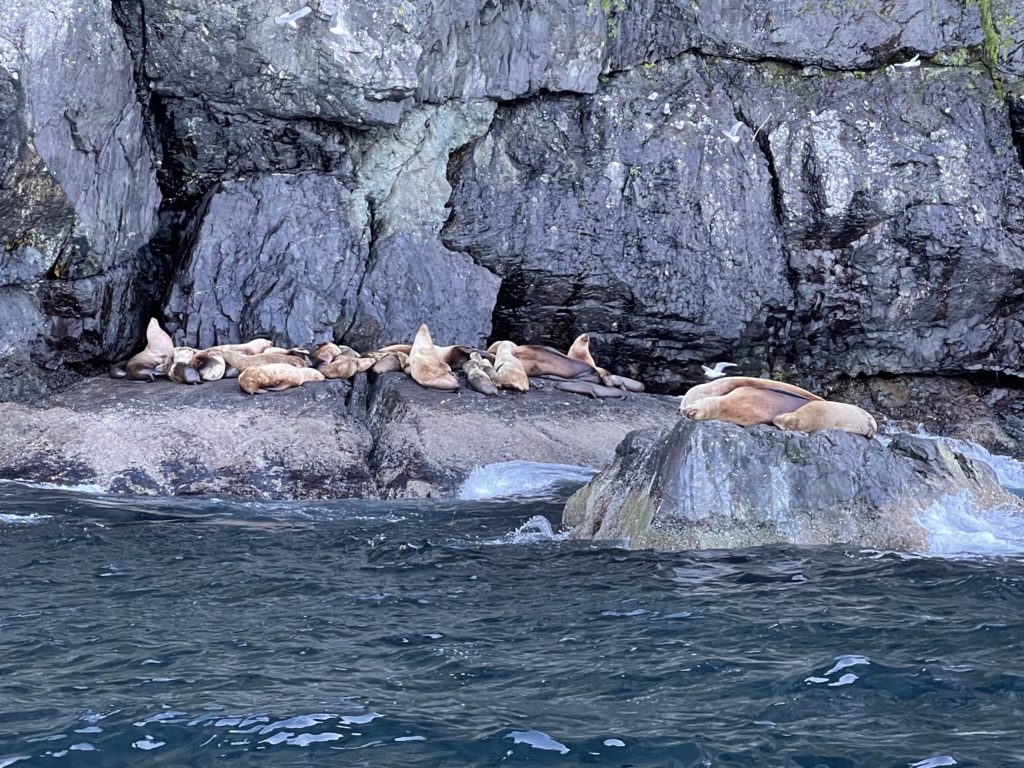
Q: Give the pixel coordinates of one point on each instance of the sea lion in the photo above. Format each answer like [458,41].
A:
[390,362]
[539,360]
[580,350]
[181,370]
[477,376]
[456,355]
[403,348]
[151,362]
[211,367]
[725,385]
[252,347]
[828,414]
[426,366]
[276,376]
[241,362]
[345,366]
[509,369]
[745,406]
[325,352]
[590,388]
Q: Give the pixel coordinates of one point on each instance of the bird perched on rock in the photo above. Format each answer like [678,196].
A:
[718,371]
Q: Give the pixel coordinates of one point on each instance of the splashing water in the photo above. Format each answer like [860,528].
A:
[522,478]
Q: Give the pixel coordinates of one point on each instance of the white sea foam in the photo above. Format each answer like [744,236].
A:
[84,488]
[520,478]
[537,528]
[956,525]
[29,519]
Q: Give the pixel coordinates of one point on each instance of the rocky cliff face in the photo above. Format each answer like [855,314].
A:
[754,180]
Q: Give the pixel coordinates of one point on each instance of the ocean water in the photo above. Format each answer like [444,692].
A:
[155,632]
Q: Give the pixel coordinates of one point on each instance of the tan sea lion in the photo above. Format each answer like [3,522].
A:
[745,406]
[477,375]
[181,370]
[390,362]
[725,385]
[345,366]
[828,414]
[425,365]
[509,369]
[151,362]
[403,348]
[276,376]
[580,350]
[242,362]
[252,347]
[325,352]
[455,355]
[211,366]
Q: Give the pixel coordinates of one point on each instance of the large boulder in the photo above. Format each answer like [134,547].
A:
[78,193]
[701,485]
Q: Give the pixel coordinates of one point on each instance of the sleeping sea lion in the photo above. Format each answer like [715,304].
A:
[726,385]
[538,360]
[390,362]
[325,352]
[426,366]
[509,369]
[477,376]
[252,347]
[345,366]
[181,370]
[211,367]
[828,414]
[241,362]
[276,376]
[151,362]
[745,406]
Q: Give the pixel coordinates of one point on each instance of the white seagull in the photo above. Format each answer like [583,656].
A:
[291,18]
[717,371]
[914,62]
[733,134]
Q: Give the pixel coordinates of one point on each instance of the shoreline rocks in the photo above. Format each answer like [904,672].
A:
[706,485]
[377,438]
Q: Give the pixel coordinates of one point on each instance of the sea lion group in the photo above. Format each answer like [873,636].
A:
[261,367]
[748,401]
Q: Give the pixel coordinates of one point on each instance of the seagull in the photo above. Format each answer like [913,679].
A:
[733,134]
[914,62]
[717,371]
[339,27]
[291,18]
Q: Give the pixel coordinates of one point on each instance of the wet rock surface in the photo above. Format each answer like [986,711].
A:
[388,438]
[705,485]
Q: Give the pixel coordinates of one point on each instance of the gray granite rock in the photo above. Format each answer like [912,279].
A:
[78,193]
[710,484]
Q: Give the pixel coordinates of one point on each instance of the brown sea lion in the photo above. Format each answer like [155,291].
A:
[745,406]
[828,414]
[455,355]
[477,376]
[580,350]
[725,385]
[345,366]
[403,348]
[509,369]
[151,362]
[276,376]
[539,360]
[181,370]
[425,365]
[390,362]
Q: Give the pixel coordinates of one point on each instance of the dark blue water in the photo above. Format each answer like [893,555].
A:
[177,633]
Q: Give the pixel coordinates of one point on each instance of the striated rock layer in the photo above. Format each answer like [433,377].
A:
[706,485]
